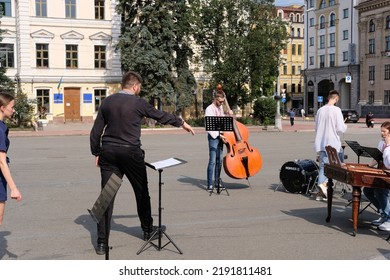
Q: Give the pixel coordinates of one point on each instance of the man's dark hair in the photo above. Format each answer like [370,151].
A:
[131,78]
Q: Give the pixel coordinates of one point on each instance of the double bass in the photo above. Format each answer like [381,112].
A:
[241,161]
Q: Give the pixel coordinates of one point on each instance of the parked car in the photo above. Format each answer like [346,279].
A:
[350,115]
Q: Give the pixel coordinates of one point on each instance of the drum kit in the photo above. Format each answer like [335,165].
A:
[299,176]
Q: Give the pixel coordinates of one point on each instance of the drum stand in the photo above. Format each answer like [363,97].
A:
[161,229]
[219,123]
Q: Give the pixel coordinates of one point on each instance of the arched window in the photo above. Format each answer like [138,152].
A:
[322,22]
[371,26]
[332,19]
[331,3]
[323,4]
[387,22]
[292,17]
[298,18]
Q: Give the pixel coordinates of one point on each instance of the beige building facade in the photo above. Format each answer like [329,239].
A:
[331,53]
[62,54]
[374,27]
[292,58]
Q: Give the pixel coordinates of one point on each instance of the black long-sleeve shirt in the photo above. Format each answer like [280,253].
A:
[119,121]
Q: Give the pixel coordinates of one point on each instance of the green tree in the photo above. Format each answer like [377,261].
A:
[155,42]
[240,44]
[185,83]
[264,110]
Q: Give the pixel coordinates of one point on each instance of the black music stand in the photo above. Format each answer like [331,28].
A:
[99,209]
[159,166]
[219,123]
[359,151]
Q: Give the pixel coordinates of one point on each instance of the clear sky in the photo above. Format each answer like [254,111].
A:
[288,2]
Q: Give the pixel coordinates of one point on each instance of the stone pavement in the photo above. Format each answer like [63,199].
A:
[62,129]
[259,220]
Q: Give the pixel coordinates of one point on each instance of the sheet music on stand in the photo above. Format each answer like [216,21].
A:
[374,153]
[216,123]
[161,164]
[359,151]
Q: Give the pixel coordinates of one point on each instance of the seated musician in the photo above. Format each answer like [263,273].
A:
[378,196]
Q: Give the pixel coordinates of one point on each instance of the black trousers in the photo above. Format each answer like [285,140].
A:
[129,161]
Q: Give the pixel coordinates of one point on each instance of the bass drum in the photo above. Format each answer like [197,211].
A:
[298,175]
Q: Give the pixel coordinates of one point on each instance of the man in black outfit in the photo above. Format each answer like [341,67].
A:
[115,141]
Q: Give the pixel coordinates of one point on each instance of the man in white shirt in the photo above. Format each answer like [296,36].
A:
[329,124]
[215,140]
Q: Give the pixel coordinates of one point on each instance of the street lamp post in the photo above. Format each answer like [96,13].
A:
[278,119]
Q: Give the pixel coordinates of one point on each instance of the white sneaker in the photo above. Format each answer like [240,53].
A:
[385,226]
[324,189]
[379,221]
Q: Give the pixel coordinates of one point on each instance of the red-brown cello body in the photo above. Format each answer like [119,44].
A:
[242,161]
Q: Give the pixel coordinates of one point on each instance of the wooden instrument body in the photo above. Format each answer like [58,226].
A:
[242,161]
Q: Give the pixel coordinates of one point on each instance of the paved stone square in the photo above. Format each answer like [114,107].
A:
[59,182]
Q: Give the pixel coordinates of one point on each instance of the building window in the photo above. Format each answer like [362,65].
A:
[299,33]
[42,53]
[332,21]
[41,8]
[371,26]
[345,13]
[6,5]
[100,94]
[387,22]
[323,4]
[332,40]
[332,59]
[292,32]
[293,88]
[70,8]
[331,3]
[371,46]
[299,70]
[100,57]
[322,22]
[345,56]
[322,61]
[71,56]
[345,34]
[293,49]
[322,42]
[43,100]
[311,3]
[371,73]
[371,97]
[284,69]
[293,70]
[7,55]
[299,87]
[387,72]
[99,9]
[386,98]
[311,22]
[311,60]
[387,47]
[311,41]
[299,49]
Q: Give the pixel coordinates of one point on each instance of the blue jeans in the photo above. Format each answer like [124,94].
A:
[380,199]
[324,159]
[215,159]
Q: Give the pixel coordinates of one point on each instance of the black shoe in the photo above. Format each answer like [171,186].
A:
[148,234]
[101,249]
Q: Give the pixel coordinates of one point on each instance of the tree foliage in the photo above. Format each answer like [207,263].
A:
[155,43]
[240,45]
